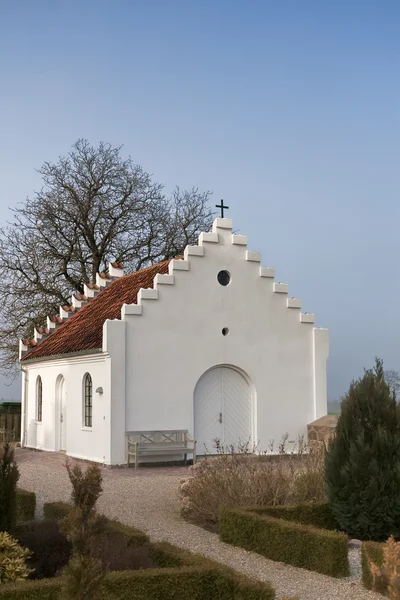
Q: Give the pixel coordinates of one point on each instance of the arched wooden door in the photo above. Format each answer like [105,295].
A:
[222,409]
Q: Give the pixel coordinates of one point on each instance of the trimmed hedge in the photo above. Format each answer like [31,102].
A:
[317,514]
[242,588]
[299,545]
[181,573]
[26,505]
[56,510]
[372,551]
[198,578]
[132,537]
[42,589]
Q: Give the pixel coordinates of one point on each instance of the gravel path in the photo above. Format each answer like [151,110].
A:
[148,499]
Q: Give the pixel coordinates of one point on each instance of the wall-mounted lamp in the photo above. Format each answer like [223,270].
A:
[99,390]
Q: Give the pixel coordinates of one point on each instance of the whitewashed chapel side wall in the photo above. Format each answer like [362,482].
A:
[86,443]
[174,334]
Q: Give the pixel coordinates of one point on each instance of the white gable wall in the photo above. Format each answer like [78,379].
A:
[153,358]
[82,443]
[178,337]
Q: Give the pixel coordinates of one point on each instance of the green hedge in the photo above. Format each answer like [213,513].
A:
[180,574]
[284,541]
[43,589]
[56,510]
[317,514]
[26,505]
[242,588]
[133,537]
[372,551]
[200,579]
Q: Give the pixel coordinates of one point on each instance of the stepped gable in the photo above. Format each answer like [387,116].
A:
[84,330]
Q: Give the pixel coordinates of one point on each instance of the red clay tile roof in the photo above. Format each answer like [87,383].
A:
[84,330]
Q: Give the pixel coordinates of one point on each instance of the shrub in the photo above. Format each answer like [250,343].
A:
[45,589]
[380,563]
[56,510]
[245,478]
[298,545]
[84,574]
[187,576]
[51,551]
[187,583]
[26,505]
[362,463]
[121,548]
[387,574]
[12,559]
[318,514]
[9,476]
[116,545]
[309,486]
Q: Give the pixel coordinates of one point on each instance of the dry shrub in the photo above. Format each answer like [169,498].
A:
[244,476]
[387,576]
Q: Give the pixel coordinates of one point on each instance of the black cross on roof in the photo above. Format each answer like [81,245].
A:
[221,206]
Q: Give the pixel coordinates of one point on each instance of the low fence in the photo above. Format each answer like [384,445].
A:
[10,422]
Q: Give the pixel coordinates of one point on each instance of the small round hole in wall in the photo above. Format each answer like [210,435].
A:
[225,331]
[224,277]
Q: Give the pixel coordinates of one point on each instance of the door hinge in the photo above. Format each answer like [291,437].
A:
[220,417]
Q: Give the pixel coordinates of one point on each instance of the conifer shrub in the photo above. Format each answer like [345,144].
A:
[84,574]
[9,475]
[362,464]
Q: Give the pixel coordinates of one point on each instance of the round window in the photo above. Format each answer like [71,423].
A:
[224,277]
[225,331]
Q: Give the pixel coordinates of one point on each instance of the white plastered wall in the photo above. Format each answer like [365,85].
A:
[93,443]
[174,335]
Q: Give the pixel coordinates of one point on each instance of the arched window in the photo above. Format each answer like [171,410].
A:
[39,399]
[87,400]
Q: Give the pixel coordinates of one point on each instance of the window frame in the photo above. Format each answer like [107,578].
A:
[39,399]
[87,401]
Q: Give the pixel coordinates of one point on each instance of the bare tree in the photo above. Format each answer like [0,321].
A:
[392,378]
[94,207]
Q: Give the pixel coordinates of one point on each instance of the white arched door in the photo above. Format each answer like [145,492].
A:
[63,413]
[222,409]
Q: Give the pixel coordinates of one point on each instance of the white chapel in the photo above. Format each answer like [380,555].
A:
[209,344]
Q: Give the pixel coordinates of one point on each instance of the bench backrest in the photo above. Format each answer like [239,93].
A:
[158,438]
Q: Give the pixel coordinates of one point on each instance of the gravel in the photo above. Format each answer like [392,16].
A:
[148,499]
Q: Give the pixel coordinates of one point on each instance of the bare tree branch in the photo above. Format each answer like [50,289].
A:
[94,207]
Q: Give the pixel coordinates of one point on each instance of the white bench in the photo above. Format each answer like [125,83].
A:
[151,443]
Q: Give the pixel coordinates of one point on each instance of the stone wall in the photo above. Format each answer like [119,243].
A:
[322,430]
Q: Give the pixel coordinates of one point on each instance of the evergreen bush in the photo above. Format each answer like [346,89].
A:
[362,464]
[9,476]
[26,505]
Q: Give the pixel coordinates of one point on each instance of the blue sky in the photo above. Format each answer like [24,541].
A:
[290,111]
